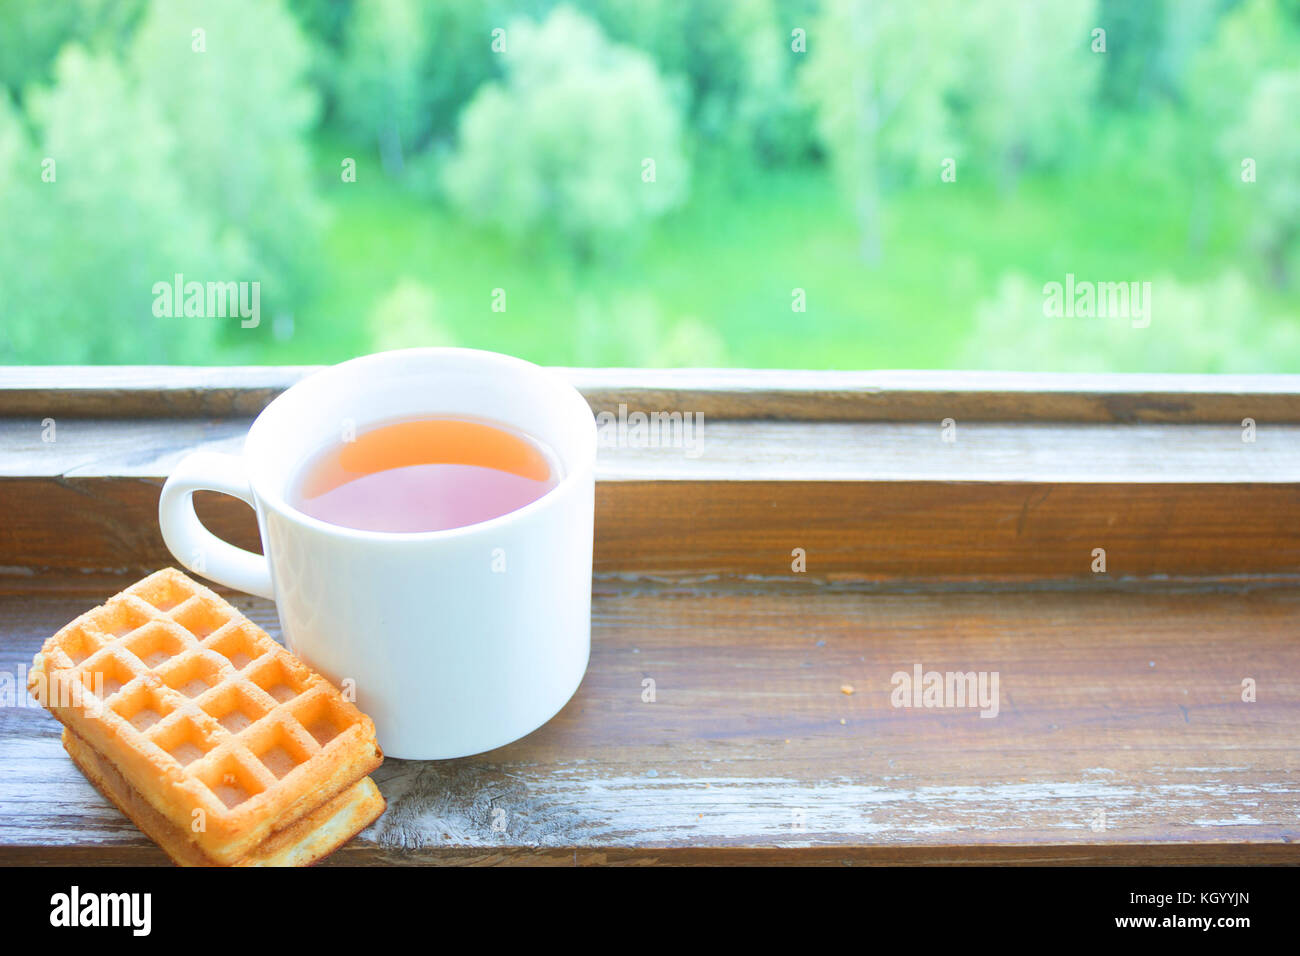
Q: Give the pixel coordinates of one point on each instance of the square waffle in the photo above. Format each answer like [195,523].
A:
[301,843]
[219,729]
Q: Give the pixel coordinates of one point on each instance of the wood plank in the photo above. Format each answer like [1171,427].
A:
[1121,736]
[932,396]
[149,391]
[865,501]
[848,531]
[750,451]
[125,391]
[982,532]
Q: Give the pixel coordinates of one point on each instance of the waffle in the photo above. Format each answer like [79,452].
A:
[311,837]
[219,730]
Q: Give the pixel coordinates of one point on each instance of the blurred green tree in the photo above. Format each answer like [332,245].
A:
[581,138]
[240,119]
[736,63]
[380,94]
[1252,38]
[408,67]
[1268,139]
[878,74]
[1216,326]
[1022,94]
[1132,74]
[104,216]
[324,22]
[407,317]
[33,31]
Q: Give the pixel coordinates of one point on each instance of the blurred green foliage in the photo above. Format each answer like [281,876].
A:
[241,136]
[920,170]
[406,68]
[78,260]
[614,163]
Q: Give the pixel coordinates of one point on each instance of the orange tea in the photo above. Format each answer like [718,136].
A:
[425,474]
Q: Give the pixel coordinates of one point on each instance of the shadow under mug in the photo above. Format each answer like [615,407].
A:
[455,641]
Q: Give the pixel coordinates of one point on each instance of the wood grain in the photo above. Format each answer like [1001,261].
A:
[900,531]
[1121,736]
[865,501]
[752,451]
[149,391]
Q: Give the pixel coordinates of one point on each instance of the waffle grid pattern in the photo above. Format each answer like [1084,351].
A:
[207,696]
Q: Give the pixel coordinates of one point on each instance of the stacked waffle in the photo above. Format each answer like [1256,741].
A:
[218,743]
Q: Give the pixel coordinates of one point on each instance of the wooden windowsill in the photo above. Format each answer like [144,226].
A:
[1122,735]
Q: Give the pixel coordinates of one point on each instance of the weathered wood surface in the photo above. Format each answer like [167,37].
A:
[898,531]
[1121,737]
[866,501]
[752,451]
[149,391]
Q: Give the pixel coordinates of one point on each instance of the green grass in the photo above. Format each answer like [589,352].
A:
[728,262]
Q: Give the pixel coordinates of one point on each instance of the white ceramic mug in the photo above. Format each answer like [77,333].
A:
[458,641]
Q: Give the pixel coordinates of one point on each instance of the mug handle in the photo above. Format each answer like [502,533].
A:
[194,545]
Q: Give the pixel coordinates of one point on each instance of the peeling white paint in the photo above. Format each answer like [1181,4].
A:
[570,806]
